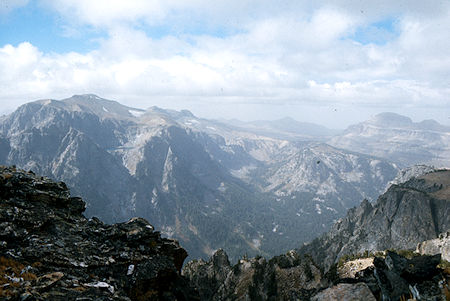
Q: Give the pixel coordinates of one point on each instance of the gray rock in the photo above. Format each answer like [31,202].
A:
[50,251]
[346,292]
[440,245]
[284,277]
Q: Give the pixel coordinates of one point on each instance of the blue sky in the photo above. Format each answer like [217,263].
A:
[330,62]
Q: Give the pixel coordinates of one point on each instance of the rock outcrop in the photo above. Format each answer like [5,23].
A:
[50,251]
[284,277]
[388,276]
[346,292]
[405,215]
[440,245]
[395,277]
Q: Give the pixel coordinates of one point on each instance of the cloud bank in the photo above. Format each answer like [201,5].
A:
[289,54]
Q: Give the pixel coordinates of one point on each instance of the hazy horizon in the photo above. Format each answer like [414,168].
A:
[231,118]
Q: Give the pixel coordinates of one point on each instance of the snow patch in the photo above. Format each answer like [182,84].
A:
[256,243]
[105,109]
[101,284]
[222,187]
[318,209]
[136,113]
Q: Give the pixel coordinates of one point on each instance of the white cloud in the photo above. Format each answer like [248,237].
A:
[283,54]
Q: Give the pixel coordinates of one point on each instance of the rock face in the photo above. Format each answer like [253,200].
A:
[405,215]
[208,184]
[50,251]
[440,245]
[284,277]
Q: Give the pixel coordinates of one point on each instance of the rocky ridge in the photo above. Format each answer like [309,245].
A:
[404,216]
[292,276]
[50,251]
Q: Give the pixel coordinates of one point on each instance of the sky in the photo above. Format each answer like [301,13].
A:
[333,63]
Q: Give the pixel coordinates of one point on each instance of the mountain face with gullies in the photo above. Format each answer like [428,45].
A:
[206,183]
[398,138]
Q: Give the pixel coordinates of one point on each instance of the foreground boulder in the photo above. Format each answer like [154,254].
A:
[50,251]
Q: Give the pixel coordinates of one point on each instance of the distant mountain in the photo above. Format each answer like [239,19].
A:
[206,183]
[397,138]
[404,216]
[285,128]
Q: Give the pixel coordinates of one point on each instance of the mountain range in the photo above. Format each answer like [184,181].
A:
[398,139]
[249,188]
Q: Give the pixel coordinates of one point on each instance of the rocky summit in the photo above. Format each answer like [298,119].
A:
[50,251]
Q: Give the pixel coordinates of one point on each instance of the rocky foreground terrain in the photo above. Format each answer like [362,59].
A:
[50,251]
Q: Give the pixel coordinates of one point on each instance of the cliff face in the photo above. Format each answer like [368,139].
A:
[405,215]
[50,251]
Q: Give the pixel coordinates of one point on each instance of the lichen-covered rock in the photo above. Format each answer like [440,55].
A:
[50,251]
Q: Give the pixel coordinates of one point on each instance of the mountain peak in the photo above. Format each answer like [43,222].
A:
[391,119]
[102,107]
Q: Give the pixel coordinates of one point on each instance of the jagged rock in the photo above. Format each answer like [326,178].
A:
[346,292]
[395,277]
[285,277]
[405,215]
[414,171]
[440,245]
[50,251]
